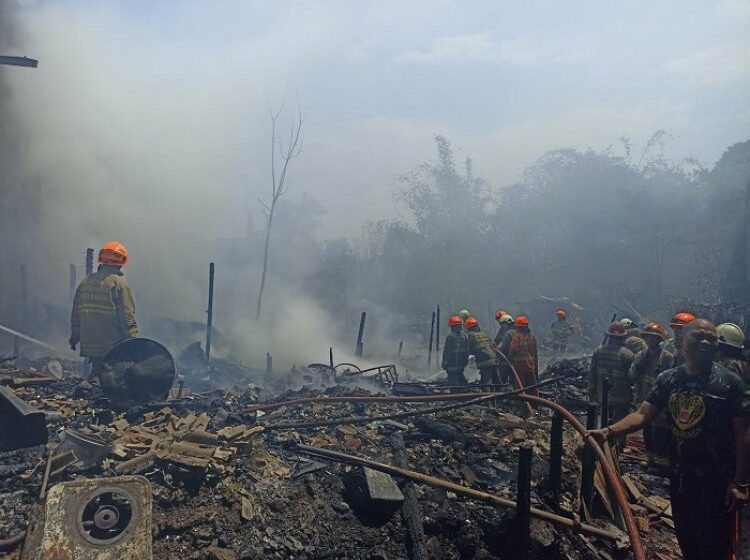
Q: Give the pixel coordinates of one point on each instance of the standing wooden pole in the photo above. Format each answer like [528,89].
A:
[269,362]
[429,347]
[410,511]
[89,261]
[437,334]
[210,310]
[604,414]
[555,458]
[523,503]
[360,334]
[589,461]
[400,349]
[89,267]
[330,355]
[72,282]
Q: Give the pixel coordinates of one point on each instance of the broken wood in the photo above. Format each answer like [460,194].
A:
[410,511]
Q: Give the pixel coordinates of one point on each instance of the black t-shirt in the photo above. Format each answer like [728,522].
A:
[700,410]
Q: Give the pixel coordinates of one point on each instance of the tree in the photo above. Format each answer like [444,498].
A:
[286,152]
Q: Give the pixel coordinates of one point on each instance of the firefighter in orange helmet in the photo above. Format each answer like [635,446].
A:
[103,308]
[520,347]
[561,331]
[456,352]
[482,348]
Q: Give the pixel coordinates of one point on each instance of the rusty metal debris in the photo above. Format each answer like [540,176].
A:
[93,519]
[20,424]
[137,371]
[229,481]
[374,495]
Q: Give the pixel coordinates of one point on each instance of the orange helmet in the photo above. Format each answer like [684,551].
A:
[561,313]
[681,319]
[454,320]
[113,253]
[522,321]
[654,329]
[616,330]
[500,313]
[471,322]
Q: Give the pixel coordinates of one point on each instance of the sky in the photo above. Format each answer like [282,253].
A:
[504,81]
[148,121]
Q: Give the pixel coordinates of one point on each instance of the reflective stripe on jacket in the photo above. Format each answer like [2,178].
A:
[103,312]
[611,361]
[481,346]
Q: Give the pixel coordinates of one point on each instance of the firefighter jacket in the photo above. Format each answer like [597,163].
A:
[635,344]
[740,367]
[481,346]
[504,328]
[103,312]
[520,346]
[456,351]
[611,361]
[646,367]
[561,329]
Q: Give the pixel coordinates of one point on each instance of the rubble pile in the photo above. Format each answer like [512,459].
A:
[228,482]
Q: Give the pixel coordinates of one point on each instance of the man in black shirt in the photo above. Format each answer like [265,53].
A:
[709,413]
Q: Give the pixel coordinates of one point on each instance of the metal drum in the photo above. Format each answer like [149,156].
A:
[137,371]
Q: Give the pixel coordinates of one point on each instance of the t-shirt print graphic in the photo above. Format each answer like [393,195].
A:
[687,410]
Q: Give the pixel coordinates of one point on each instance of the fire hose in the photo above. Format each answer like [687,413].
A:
[457,488]
[367,419]
[609,472]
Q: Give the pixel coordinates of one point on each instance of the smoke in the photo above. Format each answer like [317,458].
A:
[152,128]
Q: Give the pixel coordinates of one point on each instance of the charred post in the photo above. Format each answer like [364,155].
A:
[437,334]
[523,503]
[604,416]
[269,362]
[555,459]
[400,349]
[589,459]
[210,310]
[89,261]
[360,334]
[72,282]
[429,347]
[410,511]
[330,355]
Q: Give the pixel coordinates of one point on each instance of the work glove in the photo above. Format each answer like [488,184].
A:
[73,342]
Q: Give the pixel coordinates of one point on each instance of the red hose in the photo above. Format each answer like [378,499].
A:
[609,472]
[359,398]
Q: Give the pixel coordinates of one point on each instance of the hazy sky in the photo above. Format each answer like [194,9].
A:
[181,89]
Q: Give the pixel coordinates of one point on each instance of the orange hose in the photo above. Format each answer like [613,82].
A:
[609,473]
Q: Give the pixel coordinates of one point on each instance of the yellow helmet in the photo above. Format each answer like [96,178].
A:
[731,335]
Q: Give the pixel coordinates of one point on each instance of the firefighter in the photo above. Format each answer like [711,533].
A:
[674,346]
[520,346]
[708,410]
[561,331]
[456,352]
[483,350]
[103,308]
[633,341]
[731,355]
[505,323]
[612,360]
[647,365]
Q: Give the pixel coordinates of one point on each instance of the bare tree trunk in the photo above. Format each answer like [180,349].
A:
[278,184]
[265,261]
